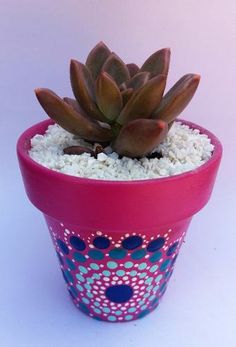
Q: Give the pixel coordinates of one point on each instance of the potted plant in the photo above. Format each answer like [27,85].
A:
[117,229]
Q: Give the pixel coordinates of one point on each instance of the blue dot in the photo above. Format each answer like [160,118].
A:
[73,292]
[97,318]
[152,297]
[172,249]
[155,289]
[60,258]
[117,253]
[101,242]
[97,310]
[67,276]
[174,260]
[70,264]
[80,277]
[128,317]
[79,257]
[94,266]
[90,280]
[141,303]
[85,300]
[118,313]
[154,302]
[106,273]
[106,309]
[143,313]
[80,288]
[97,304]
[89,295]
[83,307]
[77,243]
[142,266]
[143,307]
[163,288]
[165,264]
[63,246]
[149,280]
[132,309]
[83,269]
[149,288]
[120,273]
[112,318]
[95,276]
[168,274]
[153,268]
[119,293]
[94,254]
[112,265]
[133,273]
[155,244]
[158,278]
[155,257]
[128,264]
[139,254]
[146,295]
[87,286]
[132,242]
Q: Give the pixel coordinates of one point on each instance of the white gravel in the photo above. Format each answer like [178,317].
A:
[184,149]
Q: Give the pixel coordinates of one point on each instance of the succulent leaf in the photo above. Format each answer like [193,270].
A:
[108,96]
[177,98]
[133,69]
[78,150]
[97,58]
[84,90]
[116,68]
[76,106]
[145,101]
[138,80]
[126,95]
[69,119]
[158,63]
[140,137]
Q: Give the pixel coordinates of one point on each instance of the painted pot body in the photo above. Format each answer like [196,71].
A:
[117,242]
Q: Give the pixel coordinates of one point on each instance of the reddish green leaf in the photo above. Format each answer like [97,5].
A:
[145,101]
[126,95]
[158,63]
[84,90]
[139,137]
[177,98]
[116,68]
[108,96]
[76,106]
[138,80]
[78,150]
[133,69]
[69,119]
[97,58]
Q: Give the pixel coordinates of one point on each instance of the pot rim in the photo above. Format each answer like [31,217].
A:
[26,136]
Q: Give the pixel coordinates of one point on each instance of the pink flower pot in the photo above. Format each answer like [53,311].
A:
[117,242]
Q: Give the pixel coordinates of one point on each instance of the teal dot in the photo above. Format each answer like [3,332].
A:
[149,280]
[79,257]
[106,273]
[155,289]
[154,268]
[96,276]
[165,264]
[89,295]
[146,295]
[80,277]
[87,286]
[120,273]
[70,264]
[155,257]
[143,307]
[90,280]
[149,288]
[97,310]
[142,275]
[142,266]
[112,265]
[112,318]
[158,278]
[106,309]
[79,287]
[128,317]
[85,300]
[132,309]
[118,313]
[97,304]
[128,264]
[83,269]
[95,254]
[152,297]
[117,253]
[133,273]
[139,254]
[141,302]
[68,276]
[94,266]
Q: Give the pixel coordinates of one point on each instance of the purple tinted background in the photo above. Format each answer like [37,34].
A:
[37,40]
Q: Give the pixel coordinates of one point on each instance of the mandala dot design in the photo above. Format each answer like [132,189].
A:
[113,277]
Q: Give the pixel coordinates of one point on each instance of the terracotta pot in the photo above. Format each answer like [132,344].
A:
[117,241]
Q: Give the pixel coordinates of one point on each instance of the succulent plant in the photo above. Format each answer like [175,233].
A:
[119,104]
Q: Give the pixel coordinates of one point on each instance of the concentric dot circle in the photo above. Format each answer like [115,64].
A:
[112,265]
[77,243]
[132,309]
[106,273]
[95,254]
[97,310]
[112,318]
[106,309]
[80,277]
[172,249]
[119,293]
[128,317]
[128,264]
[79,257]
[142,274]
[155,289]
[79,287]
[87,286]
[158,278]
[94,266]
[155,257]
[153,268]
[101,242]
[139,254]
[118,313]
[156,244]
[142,266]
[149,280]
[82,269]
[132,242]
[120,273]
[133,273]
[89,295]
[85,300]
[63,247]
[117,253]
